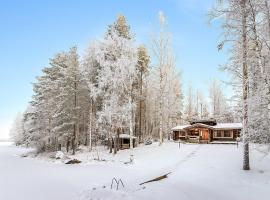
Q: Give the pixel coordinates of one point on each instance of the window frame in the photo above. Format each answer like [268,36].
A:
[222,134]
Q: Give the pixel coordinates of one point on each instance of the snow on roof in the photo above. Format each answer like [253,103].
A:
[126,136]
[179,127]
[228,126]
[199,125]
[218,126]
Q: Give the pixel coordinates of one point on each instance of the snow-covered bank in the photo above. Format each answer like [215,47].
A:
[5,142]
[198,172]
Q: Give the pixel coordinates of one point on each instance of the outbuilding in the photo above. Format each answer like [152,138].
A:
[124,141]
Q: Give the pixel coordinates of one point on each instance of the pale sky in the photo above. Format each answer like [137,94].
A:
[33,31]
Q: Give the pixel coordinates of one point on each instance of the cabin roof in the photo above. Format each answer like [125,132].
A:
[210,121]
[198,125]
[181,127]
[228,126]
[219,126]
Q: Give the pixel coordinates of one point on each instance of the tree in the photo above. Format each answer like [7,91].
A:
[220,108]
[189,110]
[117,57]
[90,69]
[165,79]
[17,132]
[120,28]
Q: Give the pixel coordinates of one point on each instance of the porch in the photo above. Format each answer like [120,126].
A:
[195,134]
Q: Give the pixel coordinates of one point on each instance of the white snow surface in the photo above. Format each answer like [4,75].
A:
[198,171]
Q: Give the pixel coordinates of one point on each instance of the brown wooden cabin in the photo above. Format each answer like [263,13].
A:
[206,131]
[124,141]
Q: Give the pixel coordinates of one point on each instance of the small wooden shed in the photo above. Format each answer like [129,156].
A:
[124,141]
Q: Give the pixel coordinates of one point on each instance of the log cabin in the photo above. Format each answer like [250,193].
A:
[207,131]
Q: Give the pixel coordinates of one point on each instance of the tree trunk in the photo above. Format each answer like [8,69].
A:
[114,145]
[76,120]
[131,122]
[245,87]
[67,145]
[268,17]
[118,141]
[110,140]
[90,127]
[160,108]
[140,109]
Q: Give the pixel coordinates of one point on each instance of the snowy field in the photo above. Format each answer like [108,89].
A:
[208,172]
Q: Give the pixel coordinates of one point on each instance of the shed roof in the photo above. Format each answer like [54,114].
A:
[126,136]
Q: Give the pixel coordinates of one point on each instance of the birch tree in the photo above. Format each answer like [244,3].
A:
[163,71]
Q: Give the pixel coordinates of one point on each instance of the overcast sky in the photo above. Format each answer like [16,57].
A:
[33,31]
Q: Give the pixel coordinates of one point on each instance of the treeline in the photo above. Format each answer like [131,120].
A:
[113,88]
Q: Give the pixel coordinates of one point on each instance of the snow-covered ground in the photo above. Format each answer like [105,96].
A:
[204,171]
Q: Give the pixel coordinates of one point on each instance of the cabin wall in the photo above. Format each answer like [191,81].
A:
[226,135]
[179,135]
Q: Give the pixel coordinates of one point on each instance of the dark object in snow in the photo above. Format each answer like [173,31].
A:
[157,179]
[148,142]
[130,161]
[117,183]
[73,161]
[100,160]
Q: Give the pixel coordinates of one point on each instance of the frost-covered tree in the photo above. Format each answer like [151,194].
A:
[56,107]
[165,80]
[17,132]
[189,104]
[66,117]
[90,69]
[219,104]
[117,58]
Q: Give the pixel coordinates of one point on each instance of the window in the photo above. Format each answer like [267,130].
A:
[182,133]
[194,132]
[227,134]
[218,134]
[221,134]
[236,133]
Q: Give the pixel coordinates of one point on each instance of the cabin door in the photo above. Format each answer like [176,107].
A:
[205,135]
